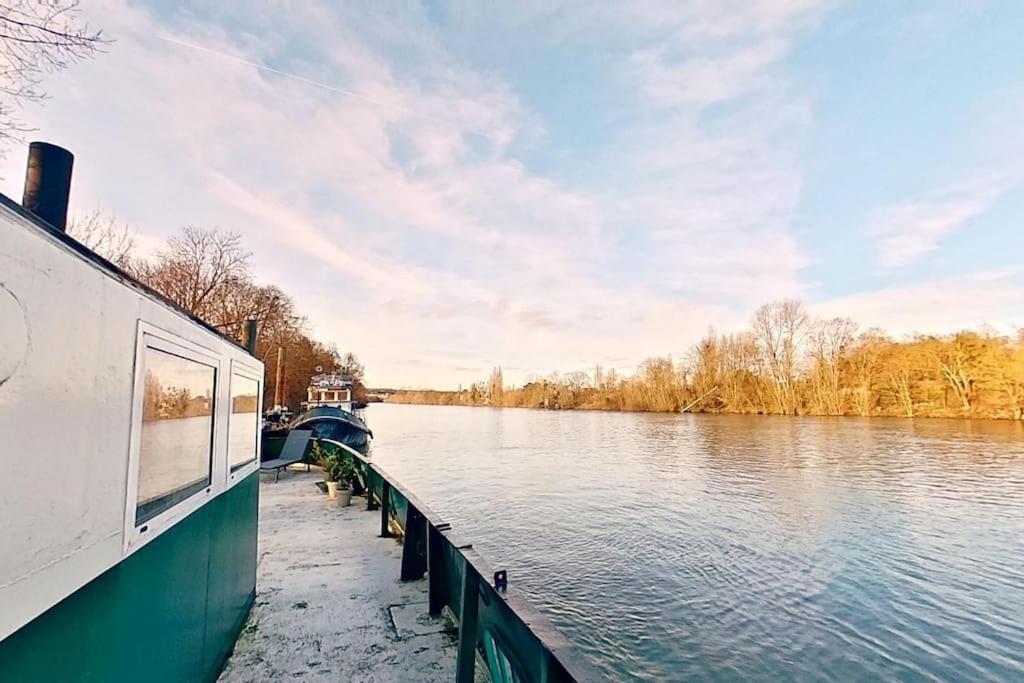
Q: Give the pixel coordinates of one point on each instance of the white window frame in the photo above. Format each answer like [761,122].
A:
[247,371]
[150,336]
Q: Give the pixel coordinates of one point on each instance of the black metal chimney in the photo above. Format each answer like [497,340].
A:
[250,336]
[48,183]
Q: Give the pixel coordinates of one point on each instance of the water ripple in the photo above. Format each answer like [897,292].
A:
[741,548]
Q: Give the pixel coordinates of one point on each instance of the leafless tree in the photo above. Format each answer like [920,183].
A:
[195,267]
[496,387]
[780,328]
[862,370]
[962,361]
[37,38]
[101,232]
[741,388]
[705,360]
[830,340]
[237,300]
[576,382]
[900,375]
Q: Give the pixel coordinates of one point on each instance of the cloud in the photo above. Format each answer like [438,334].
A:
[938,306]
[696,22]
[386,180]
[703,80]
[907,231]
[718,188]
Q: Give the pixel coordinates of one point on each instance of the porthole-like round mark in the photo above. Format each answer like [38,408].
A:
[14,337]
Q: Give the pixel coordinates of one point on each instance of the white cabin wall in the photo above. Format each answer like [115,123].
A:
[65,414]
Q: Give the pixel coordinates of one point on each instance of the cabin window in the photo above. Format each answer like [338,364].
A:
[244,426]
[176,446]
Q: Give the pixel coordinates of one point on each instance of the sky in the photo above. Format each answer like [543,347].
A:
[448,187]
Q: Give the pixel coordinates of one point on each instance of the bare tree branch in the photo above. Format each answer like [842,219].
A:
[101,232]
[37,38]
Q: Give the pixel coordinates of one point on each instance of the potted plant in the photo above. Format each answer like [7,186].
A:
[339,471]
[327,459]
[345,473]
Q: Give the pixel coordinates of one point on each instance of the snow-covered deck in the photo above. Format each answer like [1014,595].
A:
[329,605]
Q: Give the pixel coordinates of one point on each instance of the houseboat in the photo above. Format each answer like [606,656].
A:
[128,508]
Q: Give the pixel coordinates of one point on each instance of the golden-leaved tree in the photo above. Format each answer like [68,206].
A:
[790,363]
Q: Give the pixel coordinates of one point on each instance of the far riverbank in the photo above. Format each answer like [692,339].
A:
[787,363]
[546,396]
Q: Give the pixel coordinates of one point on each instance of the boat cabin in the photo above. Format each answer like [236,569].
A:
[128,504]
[329,391]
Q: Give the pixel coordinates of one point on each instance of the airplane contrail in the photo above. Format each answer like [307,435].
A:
[263,67]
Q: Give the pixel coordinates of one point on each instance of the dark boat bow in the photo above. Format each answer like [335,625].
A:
[337,425]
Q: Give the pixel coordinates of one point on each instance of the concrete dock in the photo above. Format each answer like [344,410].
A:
[329,605]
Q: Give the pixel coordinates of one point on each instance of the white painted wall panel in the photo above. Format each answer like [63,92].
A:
[68,335]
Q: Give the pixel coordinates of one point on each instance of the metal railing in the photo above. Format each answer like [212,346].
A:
[517,643]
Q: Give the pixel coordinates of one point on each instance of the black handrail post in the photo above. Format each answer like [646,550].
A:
[435,571]
[371,504]
[385,503]
[414,550]
[467,625]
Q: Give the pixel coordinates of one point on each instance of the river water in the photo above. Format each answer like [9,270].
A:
[698,547]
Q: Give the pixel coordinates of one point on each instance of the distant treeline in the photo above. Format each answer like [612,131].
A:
[789,363]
